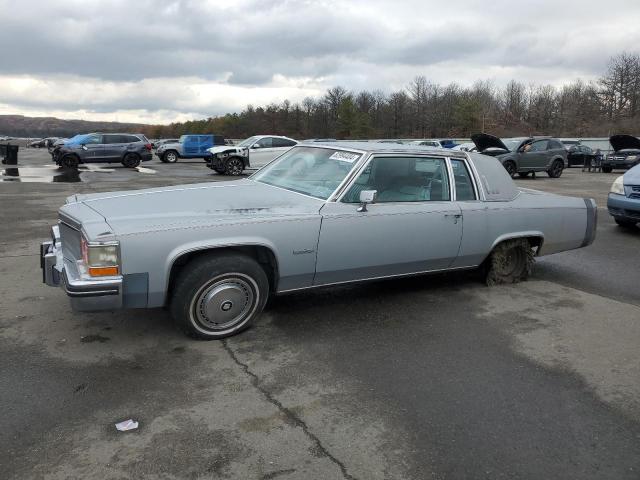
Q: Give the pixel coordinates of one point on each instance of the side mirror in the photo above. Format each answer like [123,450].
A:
[255,145]
[367,197]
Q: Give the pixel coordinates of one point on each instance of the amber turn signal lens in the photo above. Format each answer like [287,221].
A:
[103,271]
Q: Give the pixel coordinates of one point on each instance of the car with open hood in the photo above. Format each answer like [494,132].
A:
[319,215]
[626,153]
[524,155]
[253,152]
[623,201]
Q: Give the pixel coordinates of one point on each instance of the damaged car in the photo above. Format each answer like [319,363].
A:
[524,155]
[626,153]
[319,215]
[254,152]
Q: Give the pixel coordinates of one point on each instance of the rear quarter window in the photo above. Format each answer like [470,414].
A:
[496,182]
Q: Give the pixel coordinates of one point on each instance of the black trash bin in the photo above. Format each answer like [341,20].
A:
[9,154]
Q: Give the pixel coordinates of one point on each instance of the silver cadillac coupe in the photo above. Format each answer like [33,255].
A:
[320,214]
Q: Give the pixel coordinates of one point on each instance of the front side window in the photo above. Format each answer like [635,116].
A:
[93,140]
[264,143]
[316,172]
[539,146]
[247,143]
[464,186]
[403,179]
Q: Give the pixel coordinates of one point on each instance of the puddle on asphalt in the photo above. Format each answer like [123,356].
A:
[55,174]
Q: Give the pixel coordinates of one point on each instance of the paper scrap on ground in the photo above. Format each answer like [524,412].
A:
[127,425]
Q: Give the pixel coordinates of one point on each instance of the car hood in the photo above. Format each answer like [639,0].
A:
[624,142]
[197,205]
[484,141]
[632,176]
[226,149]
[170,145]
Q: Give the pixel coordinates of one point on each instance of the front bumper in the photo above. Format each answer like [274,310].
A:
[619,163]
[85,295]
[623,207]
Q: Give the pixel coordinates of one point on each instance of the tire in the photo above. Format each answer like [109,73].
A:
[224,284]
[624,223]
[170,156]
[510,262]
[523,174]
[131,160]
[607,169]
[70,162]
[510,167]
[233,166]
[556,169]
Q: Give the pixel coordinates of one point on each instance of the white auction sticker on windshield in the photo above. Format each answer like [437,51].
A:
[344,157]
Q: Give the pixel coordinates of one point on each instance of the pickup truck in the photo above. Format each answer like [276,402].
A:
[188,146]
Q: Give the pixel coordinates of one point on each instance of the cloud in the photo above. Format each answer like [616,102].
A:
[200,58]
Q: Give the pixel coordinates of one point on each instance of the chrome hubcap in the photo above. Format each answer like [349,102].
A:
[224,302]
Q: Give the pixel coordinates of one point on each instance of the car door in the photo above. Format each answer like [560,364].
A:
[93,148]
[190,146]
[535,157]
[261,152]
[113,147]
[412,227]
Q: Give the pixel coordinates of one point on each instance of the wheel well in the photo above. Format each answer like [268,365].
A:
[534,240]
[261,254]
[70,155]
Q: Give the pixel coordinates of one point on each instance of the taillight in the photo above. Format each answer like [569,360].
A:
[148,146]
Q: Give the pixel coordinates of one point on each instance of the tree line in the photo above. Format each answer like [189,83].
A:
[425,109]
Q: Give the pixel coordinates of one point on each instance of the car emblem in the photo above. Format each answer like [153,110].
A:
[226,306]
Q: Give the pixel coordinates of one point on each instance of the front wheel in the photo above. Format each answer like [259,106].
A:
[556,169]
[234,166]
[70,162]
[510,262]
[219,295]
[170,157]
[510,167]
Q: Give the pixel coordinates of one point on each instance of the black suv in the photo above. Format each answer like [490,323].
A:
[626,153]
[126,148]
[524,155]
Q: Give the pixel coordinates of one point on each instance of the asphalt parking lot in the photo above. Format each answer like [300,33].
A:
[431,377]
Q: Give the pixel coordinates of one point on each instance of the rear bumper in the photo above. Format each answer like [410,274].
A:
[592,222]
[84,295]
[623,207]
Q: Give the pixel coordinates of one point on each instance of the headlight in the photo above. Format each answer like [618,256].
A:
[100,260]
[618,186]
[632,157]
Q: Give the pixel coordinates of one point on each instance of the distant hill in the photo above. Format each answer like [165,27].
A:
[21,126]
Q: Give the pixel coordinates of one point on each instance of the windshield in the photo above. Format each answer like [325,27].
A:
[248,142]
[512,143]
[182,139]
[316,172]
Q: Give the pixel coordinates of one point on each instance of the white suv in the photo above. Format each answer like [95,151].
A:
[254,152]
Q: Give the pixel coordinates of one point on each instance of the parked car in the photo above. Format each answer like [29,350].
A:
[626,153]
[253,152]
[319,215]
[577,155]
[426,143]
[188,146]
[320,140]
[569,143]
[466,147]
[127,148]
[623,202]
[524,155]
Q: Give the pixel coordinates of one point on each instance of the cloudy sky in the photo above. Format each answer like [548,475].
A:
[157,61]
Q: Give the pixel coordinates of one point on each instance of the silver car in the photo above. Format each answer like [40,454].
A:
[319,215]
